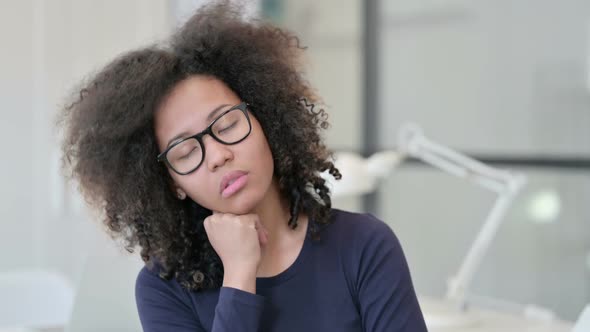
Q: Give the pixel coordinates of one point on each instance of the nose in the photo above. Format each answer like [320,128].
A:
[216,154]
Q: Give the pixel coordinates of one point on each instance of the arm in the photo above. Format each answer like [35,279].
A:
[237,311]
[162,307]
[386,296]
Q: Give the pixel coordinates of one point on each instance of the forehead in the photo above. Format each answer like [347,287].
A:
[187,106]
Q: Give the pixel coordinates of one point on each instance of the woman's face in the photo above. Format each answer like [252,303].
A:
[231,178]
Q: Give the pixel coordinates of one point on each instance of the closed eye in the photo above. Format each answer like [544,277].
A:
[228,127]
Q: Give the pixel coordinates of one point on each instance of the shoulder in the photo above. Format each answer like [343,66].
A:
[149,275]
[359,228]
[148,280]
[150,287]
[362,237]
[163,305]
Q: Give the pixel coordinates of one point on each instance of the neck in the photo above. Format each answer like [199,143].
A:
[284,243]
[274,214]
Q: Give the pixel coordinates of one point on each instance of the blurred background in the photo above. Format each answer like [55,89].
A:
[504,81]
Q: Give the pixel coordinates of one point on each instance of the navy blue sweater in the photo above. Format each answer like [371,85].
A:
[355,278]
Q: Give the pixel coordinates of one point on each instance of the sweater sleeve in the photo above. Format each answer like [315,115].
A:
[386,297]
[237,311]
[164,306]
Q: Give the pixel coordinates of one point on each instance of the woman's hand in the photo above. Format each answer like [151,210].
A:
[237,239]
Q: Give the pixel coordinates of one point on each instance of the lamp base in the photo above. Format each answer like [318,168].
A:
[444,316]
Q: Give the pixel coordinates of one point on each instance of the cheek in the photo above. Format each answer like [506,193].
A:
[198,186]
[269,159]
[264,154]
[260,142]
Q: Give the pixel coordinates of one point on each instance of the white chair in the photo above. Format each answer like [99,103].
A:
[34,299]
[105,294]
[583,322]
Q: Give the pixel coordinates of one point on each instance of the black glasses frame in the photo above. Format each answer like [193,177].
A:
[162,157]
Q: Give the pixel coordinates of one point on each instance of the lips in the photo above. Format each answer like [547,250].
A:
[229,178]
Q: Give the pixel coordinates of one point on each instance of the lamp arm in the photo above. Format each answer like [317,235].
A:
[412,142]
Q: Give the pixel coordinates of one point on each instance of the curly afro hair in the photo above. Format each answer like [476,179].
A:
[109,144]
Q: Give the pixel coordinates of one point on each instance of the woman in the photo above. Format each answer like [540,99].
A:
[206,153]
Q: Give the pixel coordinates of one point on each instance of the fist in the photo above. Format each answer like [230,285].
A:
[237,239]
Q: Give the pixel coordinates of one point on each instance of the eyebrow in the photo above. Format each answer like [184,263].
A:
[209,119]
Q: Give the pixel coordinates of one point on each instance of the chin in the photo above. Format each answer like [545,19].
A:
[245,201]
[242,203]
[239,207]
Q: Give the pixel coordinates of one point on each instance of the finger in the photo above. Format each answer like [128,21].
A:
[207,224]
[262,232]
[262,236]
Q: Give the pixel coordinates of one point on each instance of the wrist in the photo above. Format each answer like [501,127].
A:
[244,279]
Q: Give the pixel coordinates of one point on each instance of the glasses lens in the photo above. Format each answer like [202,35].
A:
[185,156]
[231,127]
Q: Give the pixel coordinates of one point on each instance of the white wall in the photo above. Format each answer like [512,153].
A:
[16,241]
[491,76]
[49,47]
[332,31]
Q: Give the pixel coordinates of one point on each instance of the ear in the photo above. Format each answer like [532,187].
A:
[180,194]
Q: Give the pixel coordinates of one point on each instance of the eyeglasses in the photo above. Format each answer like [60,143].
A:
[231,127]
